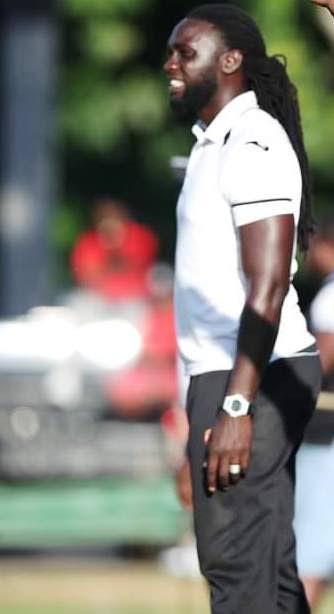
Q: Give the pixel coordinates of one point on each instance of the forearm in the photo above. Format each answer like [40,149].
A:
[266,253]
[257,335]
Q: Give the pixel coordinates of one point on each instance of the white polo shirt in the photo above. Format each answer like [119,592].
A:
[241,169]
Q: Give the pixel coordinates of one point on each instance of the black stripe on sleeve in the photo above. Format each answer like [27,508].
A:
[257,202]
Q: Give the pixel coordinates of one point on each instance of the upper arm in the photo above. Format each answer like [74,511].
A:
[264,191]
[264,177]
[266,248]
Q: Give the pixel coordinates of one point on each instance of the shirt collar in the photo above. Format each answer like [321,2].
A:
[225,119]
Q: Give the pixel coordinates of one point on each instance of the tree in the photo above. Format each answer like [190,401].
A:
[116,132]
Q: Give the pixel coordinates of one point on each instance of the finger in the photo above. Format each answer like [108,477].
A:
[244,461]
[224,475]
[207,435]
[213,462]
[234,465]
[183,485]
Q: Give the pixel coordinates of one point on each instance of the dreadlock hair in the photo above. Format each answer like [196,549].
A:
[268,78]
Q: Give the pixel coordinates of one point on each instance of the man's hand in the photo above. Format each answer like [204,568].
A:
[229,444]
[329,4]
[183,484]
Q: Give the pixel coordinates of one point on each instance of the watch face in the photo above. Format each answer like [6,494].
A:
[236,406]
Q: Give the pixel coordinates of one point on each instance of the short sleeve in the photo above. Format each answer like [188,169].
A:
[264,180]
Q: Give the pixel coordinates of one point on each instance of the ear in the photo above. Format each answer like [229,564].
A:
[231,61]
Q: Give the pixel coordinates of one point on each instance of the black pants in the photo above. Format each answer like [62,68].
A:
[245,539]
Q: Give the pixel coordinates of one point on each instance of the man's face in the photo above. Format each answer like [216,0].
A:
[194,48]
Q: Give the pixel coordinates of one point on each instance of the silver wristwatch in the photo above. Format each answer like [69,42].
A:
[235,405]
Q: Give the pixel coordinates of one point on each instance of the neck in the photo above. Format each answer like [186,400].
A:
[219,101]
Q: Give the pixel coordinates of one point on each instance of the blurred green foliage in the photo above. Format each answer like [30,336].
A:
[117,134]
[285,28]
[104,8]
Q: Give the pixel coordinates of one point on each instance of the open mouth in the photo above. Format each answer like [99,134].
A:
[176,87]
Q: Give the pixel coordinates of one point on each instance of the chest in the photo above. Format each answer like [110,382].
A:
[202,201]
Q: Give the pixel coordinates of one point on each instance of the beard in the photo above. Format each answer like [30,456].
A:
[195,98]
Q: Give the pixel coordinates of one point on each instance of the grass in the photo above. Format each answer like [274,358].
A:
[49,587]
[86,587]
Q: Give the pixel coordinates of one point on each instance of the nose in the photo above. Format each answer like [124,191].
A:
[171,65]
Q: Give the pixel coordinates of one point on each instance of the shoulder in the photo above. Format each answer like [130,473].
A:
[140,231]
[141,239]
[259,143]
[260,129]
[262,176]
[87,238]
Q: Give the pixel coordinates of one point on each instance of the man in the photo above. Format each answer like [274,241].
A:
[253,365]
[315,461]
[329,4]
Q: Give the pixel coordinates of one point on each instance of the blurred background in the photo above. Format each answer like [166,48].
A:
[91,429]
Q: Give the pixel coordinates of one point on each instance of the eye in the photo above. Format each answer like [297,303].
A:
[187,54]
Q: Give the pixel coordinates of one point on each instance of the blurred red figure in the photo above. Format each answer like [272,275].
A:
[148,388]
[114,256]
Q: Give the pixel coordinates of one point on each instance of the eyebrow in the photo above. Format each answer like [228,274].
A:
[178,46]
